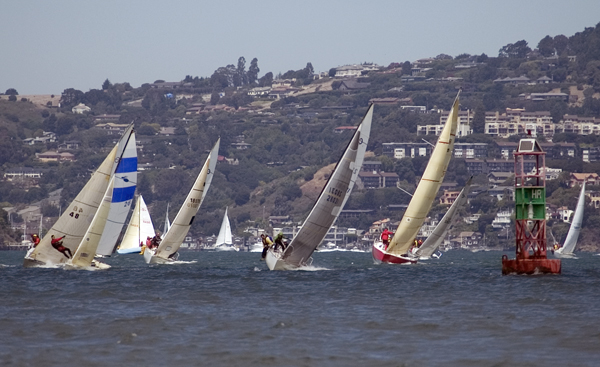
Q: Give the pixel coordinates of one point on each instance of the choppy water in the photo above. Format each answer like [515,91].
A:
[227,309]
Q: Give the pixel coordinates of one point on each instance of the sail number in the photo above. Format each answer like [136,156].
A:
[194,203]
[75,212]
[334,195]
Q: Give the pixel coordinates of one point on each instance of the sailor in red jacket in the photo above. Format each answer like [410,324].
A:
[385,237]
[35,239]
[58,245]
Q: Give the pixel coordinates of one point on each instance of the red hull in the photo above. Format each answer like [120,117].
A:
[530,266]
[383,257]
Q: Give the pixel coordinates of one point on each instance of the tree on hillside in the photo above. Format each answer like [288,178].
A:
[11,92]
[71,97]
[240,78]
[266,80]
[253,71]
[106,85]
[518,49]
[546,46]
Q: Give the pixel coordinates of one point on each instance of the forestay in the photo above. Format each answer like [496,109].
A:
[173,239]
[424,195]
[332,198]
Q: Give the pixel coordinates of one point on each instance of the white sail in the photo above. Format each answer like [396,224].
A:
[167,224]
[173,239]
[84,255]
[225,238]
[329,204]
[433,242]
[76,219]
[573,234]
[424,195]
[139,229]
[122,196]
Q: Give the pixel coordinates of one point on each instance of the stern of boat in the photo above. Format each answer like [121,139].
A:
[382,256]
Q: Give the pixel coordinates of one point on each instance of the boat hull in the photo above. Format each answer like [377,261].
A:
[151,259]
[274,262]
[381,256]
[130,251]
[530,266]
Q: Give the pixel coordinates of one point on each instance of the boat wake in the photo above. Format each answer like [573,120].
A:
[179,262]
[310,268]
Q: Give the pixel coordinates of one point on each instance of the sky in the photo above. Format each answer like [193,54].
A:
[49,46]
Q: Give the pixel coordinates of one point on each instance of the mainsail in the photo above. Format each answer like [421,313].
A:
[573,234]
[173,239]
[139,229]
[87,248]
[424,195]
[122,195]
[76,219]
[435,239]
[332,198]
[225,238]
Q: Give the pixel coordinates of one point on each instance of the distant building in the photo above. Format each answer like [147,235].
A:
[52,156]
[80,109]
[470,150]
[577,179]
[406,150]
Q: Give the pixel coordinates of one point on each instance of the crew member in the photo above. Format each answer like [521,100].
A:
[279,241]
[35,239]
[58,245]
[267,242]
[385,238]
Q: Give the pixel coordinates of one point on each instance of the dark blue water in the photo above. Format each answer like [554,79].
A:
[227,309]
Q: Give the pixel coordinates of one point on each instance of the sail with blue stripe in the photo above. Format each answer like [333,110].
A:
[125,176]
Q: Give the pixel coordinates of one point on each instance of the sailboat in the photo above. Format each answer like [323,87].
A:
[75,221]
[122,197]
[167,224]
[398,250]
[140,227]
[571,241]
[83,258]
[435,239]
[224,240]
[328,206]
[172,240]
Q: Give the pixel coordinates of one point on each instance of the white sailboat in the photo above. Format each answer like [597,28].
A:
[224,240]
[433,242]
[174,237]
[83,258]
[571,241]
[139,229]
[167,224]
[328,206]
[75,221]
[122,197]
[398,250]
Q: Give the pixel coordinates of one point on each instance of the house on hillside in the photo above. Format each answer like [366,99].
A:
[80,109]
[352,85]
[576,179]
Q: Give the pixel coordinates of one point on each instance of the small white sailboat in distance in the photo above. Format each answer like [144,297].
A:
[172,240]
[167,224]
[433,242]
[139,229]
[571,240]
[398,250]
[224,240]
[328,206]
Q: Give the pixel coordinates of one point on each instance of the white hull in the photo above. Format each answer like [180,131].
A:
[151,259]
[274,261]
[226,248]
[96,265]
[130,251]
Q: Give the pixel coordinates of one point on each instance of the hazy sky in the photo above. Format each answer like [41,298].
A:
[48,46]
